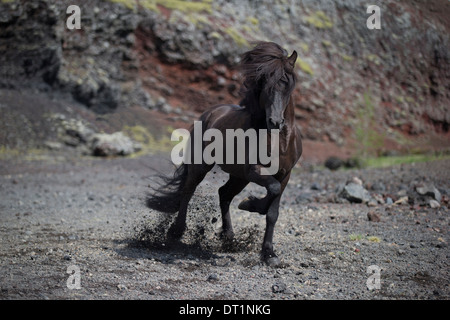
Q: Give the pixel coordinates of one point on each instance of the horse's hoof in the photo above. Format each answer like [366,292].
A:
[226,235]
[174,234]
[250,204]
[227,242]
[273,262]
[246,204]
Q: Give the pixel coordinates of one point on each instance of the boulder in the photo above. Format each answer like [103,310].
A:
[429,190]
[103,144]
[434,204]
[373,216]
[422,193]
[77,130]
[333,163]
[356,193]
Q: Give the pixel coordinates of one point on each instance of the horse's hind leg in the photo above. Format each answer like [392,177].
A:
[226,194]
[196,173]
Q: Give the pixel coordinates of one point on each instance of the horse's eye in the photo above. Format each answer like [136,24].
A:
[284,79]
[283,83]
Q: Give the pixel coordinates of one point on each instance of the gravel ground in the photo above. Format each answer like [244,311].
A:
[85,219]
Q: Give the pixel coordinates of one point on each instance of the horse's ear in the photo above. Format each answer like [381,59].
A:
[291,60]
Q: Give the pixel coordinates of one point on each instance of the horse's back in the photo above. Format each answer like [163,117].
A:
[223,109]
[226,116]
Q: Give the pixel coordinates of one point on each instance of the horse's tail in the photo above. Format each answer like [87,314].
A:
[167,196]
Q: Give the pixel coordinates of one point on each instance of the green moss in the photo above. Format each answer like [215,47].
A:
[320,20]
[6,153]
[237,37]
[304,47]
[374,58]
[374,239]
[326,43]
[346,57]
[149,4]
[198,19]
[147,140]
[400,99]
[180,5]
[410,99]
[186,6]
[304,66]
[382,162]
[130,4]
[253,21]
[30,154]
[215,35]
[247,29]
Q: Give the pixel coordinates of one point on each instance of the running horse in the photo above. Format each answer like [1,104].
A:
[269,80]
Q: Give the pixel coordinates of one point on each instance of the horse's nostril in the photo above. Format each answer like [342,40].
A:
[277,123]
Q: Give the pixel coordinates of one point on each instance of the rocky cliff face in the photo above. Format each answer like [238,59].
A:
[367,90]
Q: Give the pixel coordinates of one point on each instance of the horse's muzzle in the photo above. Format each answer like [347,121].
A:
[274,123]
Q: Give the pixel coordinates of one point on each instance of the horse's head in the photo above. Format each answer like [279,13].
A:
[269,73]
[276,94]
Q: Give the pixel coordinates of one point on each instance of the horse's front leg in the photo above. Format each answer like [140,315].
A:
[267,253]
[273,187]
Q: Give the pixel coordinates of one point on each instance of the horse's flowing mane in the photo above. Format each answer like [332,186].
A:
[268,62]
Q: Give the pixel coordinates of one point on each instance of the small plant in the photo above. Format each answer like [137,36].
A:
[374,239]
[359,237]
[355,237]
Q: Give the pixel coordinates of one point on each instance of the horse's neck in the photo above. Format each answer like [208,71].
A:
[251,102]
[289,113]
[287,134]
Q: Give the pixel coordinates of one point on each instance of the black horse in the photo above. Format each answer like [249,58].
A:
[269,80]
